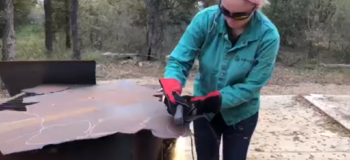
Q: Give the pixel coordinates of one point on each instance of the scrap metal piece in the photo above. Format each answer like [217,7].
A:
[84,113]
[335,106]
[46,89]
[19,75]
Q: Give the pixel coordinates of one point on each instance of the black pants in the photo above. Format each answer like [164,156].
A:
[236,139]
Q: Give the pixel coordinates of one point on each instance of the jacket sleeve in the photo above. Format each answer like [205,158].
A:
[183,56]
[260,74]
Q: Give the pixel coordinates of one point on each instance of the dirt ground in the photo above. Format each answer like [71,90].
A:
[285,81]
[290,128]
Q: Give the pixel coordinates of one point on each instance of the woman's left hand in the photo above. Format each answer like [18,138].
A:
[210,103]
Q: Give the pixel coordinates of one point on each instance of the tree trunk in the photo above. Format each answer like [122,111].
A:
[8,32]
[48,27]
[67,24]
[95,41]
[75,29]
[154,35]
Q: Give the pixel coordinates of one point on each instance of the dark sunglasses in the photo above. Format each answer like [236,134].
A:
[236,15]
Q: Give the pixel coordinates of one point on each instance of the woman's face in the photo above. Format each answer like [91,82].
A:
[237,12]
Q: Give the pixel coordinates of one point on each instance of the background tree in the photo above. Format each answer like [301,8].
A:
[154,28]
[75,29]
[67,23]
[8,32]
[310,30]
[48,27]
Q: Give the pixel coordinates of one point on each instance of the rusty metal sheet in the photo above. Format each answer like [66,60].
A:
[19,75]
[85,113]
[46,89]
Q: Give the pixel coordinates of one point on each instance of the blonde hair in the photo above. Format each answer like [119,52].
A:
[264,3]
[260,3]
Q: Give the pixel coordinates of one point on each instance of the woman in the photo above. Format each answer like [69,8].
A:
[236,46]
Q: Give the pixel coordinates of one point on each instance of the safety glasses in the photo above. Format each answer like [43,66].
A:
[236,15]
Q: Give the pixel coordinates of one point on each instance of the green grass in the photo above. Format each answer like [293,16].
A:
[30,45]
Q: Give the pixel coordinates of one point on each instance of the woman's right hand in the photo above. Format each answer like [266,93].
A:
[170,85]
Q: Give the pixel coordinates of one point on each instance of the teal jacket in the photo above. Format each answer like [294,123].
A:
[238,72]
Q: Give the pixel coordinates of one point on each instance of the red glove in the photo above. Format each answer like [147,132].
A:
[170,85]
[211,103]
[170,88]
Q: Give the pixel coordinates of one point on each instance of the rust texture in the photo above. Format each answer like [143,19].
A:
[85,112]
[46,89]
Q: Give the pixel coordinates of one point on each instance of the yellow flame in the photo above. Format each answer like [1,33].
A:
[180,149]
